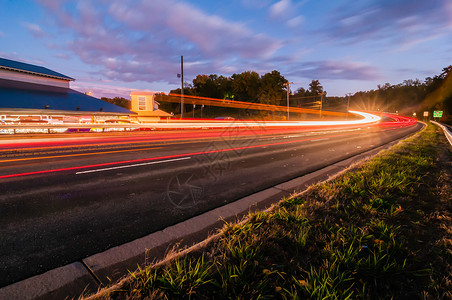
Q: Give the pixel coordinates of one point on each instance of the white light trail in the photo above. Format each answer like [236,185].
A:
[367,119]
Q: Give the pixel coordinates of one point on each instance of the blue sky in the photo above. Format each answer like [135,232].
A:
[114,46]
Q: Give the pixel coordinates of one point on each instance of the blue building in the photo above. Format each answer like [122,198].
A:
[27,89]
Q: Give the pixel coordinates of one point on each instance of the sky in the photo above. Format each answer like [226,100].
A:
[112,47]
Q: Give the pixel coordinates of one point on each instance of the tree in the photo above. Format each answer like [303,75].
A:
[272,88]
[224,86]
[315,87]
[206,86]
[119,101]
[246,86]
[188,90]
[300,92]
[166,106]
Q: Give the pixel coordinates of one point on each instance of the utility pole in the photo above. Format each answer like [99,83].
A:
[287,84]
[181,86]
[321,103]
[348,102]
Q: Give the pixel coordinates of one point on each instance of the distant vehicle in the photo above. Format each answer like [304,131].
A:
[124,122]
[117,121]
[8,119]
[53,120]
[121,121]
[85,120]
[33,119]
[224,118]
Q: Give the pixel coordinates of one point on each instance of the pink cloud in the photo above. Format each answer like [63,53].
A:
[398,22]
[280,8]
[35,29]
[340,70]
[143,40]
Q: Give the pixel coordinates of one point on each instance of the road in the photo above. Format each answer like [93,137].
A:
[65,199]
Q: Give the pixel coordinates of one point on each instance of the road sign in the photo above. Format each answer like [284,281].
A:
[437,113]
[425,113]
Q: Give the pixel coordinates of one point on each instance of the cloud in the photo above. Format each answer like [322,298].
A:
[35,30]
[280,9]
[295,22]
[285,11]
[255,3]
[140,40]
[106,88]
[2,34]
[343,70]
[397,22]
[99,90]
[62,56]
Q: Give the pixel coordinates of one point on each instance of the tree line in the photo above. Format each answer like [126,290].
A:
[410,96]
[406,98]
[248,86]
[119,101]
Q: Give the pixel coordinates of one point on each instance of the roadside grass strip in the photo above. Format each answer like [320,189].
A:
[381,230]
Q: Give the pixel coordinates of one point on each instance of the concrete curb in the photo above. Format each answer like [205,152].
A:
[103,268]
[50,284]
[446,131]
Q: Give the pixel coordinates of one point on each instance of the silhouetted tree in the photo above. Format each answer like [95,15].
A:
[272,89]
[245,86]
[315,88]
[119,101]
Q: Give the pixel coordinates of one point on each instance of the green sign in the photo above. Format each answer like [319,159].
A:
[437,113]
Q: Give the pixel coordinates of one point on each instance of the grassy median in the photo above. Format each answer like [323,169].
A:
[380,230]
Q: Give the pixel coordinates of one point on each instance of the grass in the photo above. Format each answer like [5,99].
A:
[381,230]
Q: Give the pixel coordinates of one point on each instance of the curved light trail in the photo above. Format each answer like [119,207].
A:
[368,119]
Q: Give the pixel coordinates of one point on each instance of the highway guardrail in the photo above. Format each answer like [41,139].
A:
[446,130]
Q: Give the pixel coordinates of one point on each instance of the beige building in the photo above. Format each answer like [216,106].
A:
[147,109]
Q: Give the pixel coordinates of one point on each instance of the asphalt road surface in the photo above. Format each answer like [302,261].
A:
[64,200]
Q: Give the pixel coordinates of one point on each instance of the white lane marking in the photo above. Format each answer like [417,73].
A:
[130,166]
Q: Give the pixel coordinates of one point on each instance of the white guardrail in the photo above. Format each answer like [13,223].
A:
[446,130]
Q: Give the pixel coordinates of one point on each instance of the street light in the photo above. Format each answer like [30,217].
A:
[348,102]
[321,102]
[181,86]
[288,90]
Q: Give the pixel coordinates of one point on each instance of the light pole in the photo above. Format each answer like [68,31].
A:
[348,103]
[181,75]
[181,86]
[287,84]
[321,103]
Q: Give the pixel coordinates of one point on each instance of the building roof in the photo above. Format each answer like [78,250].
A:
[155,113]
[142,93]
[17,66]
[14,95]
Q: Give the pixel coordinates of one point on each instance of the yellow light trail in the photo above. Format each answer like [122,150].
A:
[175,98]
